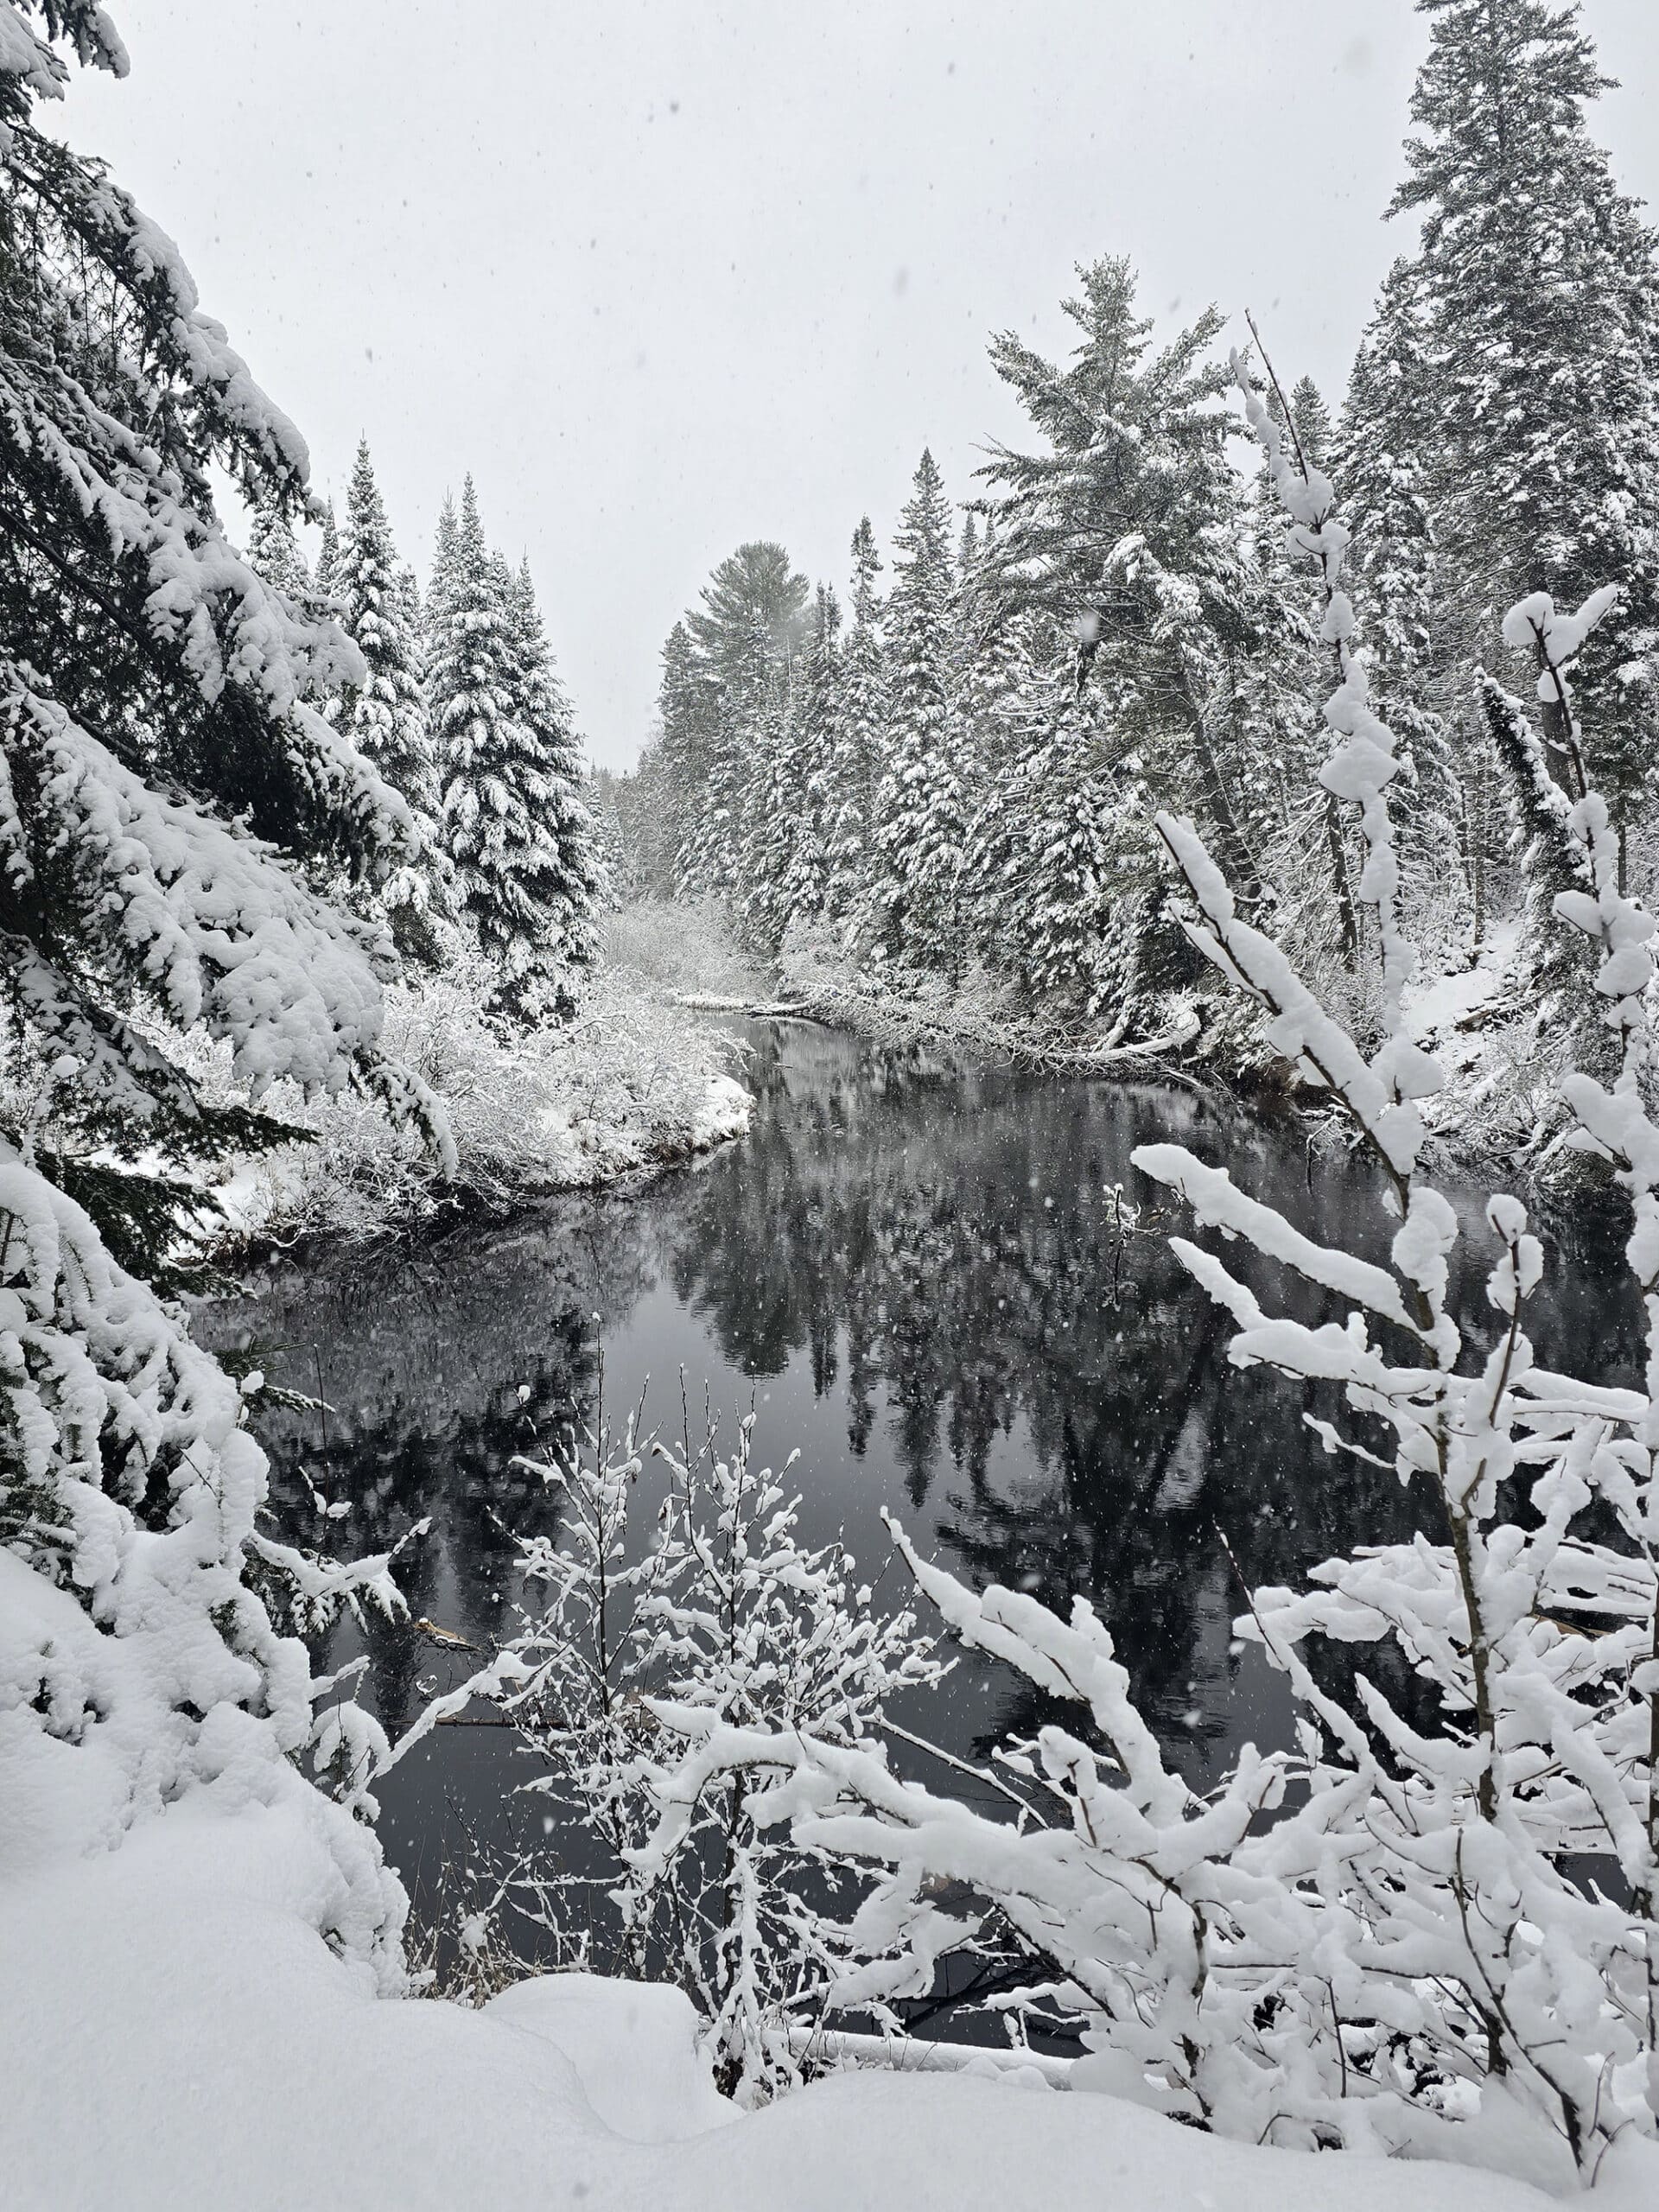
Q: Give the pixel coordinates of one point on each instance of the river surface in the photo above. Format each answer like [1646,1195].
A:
[912,1271]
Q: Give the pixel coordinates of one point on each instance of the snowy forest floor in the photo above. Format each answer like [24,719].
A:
[635,1083]
[174,2019]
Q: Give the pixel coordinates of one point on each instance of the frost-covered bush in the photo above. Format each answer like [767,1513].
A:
[721,1617]
[1424,1929]
[684,947]
[631,1083]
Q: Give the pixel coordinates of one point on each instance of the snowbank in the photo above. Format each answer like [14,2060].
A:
[632,1083]
[175,2034]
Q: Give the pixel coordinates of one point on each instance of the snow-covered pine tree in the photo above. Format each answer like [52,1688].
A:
[172,802]
[751,686]
[384,717]
[1062,913]
[326,578]
[624,874]
[274,552]
[812,743]
[687,704]
[919,801]
[409,598]
[791,803]
[858,740]
[1312,419]
[571,887]
[441,584]
[773,813]
[1128,532]
[504,791]
[1386,421]
[750,625]
[1540,297]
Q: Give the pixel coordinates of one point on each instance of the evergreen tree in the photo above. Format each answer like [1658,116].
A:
[792,803]
[813,735]
[756,588]
[511,819]
[688,704]
[1392,572]
[569,880]
[748,628]
[747,698]
[772,812]
[326,579]
[1541,304]
[919,820]
[498,801]
[1314,430]
[622,875]
[858,735]
[441,583]
[1055,926]
[1129,533]
[172,805]
[385,715]
[274,552]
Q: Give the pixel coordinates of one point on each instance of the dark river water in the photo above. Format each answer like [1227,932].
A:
[910,1271]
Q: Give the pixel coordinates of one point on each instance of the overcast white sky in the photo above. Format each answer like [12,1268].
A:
[667,276]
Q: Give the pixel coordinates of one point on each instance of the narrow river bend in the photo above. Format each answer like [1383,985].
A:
[912,1270]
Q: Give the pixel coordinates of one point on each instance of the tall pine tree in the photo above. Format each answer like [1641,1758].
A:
[859,723]
[385,715]
[1540,296]
[274,551]
[570,883]
[1128,531]
[919,820]
[500,795]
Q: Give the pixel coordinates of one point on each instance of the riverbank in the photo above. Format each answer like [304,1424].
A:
[634,1085]
[1496,1116]
[235,2059]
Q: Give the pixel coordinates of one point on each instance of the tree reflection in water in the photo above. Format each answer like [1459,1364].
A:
[912,1266]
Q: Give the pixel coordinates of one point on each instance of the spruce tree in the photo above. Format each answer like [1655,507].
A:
[751,680]
[569,882]
[441,584]
[326,580]
[749,627]
[773,813]
[859,722]
[274,552]
[1540,303]
[1392,572]
[789,855]
[385,715]
[1314,430]
[687,712]
[173,809]
[919,819]
[1128,532]
[505,753]
[814,742]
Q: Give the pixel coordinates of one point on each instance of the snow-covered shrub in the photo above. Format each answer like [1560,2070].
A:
[1389,1929]
[681,947]
[632,1082]
[722,1617]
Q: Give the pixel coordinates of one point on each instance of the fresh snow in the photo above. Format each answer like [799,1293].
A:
[175,2034]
